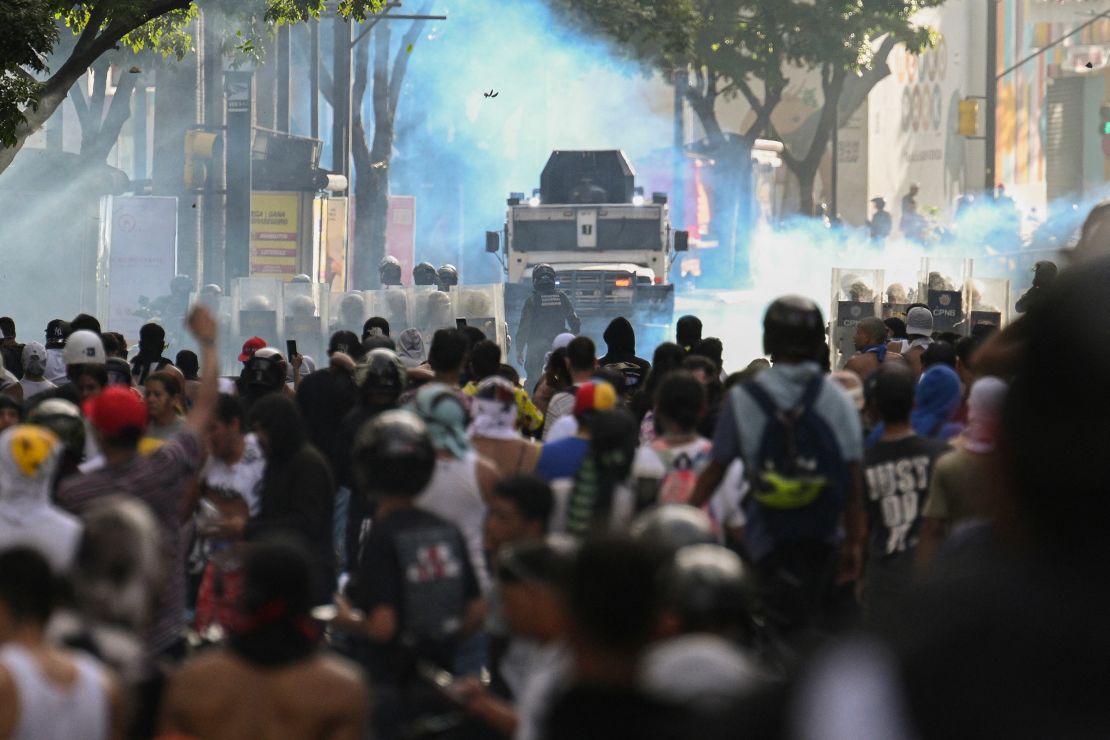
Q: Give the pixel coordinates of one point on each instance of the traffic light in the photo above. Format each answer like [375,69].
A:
[200,151]
[1104,115]
[969,118]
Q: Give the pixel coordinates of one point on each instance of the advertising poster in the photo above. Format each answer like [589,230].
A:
[274,229]
[142,258]
[400,233]
[334,266]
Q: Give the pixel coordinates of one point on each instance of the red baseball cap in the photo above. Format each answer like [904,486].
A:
[594,397]
[116,408]
[251,346]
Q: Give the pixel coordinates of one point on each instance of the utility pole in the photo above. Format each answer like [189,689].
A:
[341,98]
[678,196]
[239,90]
[990,133]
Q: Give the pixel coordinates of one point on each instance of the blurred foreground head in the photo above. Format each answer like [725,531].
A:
[1057,417]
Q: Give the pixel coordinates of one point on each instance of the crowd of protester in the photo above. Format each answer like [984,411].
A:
[387,547]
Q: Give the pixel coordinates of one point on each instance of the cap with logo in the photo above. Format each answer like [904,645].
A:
[84,348]
[251,346]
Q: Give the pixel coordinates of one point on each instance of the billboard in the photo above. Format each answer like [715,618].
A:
[142,257]
[333,266]
[400,233]
[275,228]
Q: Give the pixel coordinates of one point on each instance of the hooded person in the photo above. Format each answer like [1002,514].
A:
[29,457]
[937,398]
[462,480]
[688,332]
[297,492]
[152,342]
[936,401]
[620,338]
[34,381]
[410,348]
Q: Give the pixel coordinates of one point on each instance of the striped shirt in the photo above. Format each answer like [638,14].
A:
[158,480]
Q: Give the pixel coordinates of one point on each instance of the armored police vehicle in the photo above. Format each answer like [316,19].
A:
[611,246]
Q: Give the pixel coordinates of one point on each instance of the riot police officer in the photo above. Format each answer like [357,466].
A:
[425,274]
[389,271]
[447,276]
[547,313]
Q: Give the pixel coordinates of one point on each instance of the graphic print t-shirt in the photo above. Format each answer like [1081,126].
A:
[896,481]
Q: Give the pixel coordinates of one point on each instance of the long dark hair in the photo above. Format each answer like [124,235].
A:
[613,440]
[668,356]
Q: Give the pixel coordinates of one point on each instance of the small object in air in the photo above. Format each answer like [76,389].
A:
[491,94]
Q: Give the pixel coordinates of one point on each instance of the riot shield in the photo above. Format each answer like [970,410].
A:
[348,312]
[482,306]
[856,294]
[306,317]
[257,309]
[432,310]
[942,284]
[392,304]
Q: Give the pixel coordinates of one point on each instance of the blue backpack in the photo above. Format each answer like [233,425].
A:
[799,478]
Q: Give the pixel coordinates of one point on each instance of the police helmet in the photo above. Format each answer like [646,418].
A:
[300,305]
[381,372]
[393,454]
[447,275]
[793,326]
[424,274]
[301,278]
[709,588]
[212,289]
[674,526]
[389,271]
[543,277]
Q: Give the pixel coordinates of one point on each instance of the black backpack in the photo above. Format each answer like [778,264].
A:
[799,478]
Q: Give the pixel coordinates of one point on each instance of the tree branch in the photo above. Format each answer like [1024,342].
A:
[77,97]
[401,60]
[118,114]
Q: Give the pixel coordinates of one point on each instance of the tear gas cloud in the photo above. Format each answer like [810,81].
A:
[460,153]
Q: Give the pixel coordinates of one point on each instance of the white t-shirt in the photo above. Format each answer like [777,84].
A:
[242,479]
[32,388]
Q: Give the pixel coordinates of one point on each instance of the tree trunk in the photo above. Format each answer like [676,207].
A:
[807,179]
[372,163]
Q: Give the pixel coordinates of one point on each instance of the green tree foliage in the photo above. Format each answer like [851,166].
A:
[750,47]
[38,68]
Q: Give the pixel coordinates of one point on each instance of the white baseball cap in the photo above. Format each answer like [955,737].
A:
[84,347]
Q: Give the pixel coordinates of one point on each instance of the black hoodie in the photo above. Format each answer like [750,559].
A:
[620,338]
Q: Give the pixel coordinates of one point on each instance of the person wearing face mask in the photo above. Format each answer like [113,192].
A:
[34,369]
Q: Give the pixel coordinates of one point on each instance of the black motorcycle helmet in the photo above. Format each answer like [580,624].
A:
[266,369]
[392,454]
[709,589]
[389,271]
[543,278]
[381,373]
[424,274]
[448,276]
[793,327]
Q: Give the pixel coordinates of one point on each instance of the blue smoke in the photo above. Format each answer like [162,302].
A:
[461,153]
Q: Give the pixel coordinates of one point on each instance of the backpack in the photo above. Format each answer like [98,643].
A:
[799,477]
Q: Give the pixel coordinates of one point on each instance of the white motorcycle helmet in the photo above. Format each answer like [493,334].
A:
[84,347]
